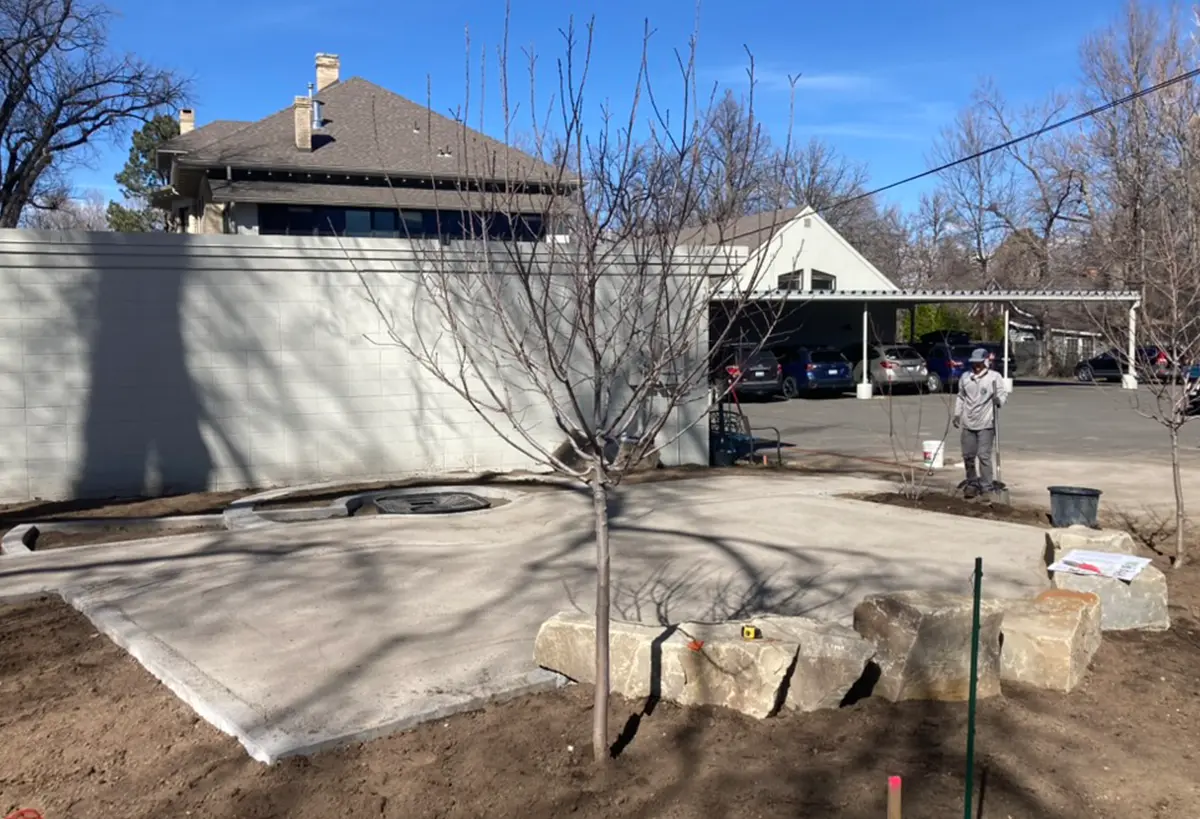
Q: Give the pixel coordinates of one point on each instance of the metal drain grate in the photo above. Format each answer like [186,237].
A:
[430,503]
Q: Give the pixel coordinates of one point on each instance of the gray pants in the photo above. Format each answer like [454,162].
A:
[977,443]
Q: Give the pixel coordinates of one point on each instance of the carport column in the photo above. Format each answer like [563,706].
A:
[1129,379]
[1008,382]
[863,390]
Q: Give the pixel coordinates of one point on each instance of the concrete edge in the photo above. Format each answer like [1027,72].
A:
[533,682]
[228,713]
[210,701]
[17,541]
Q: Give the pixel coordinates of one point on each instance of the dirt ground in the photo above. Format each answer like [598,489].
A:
[114,533]
[88,733]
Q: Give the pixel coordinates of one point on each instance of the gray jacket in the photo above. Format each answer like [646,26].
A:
[978,397]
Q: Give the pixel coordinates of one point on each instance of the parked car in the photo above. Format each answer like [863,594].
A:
[927,341]
[947,363]
[815,371]
[889,366]
[748,368]
[1149,363]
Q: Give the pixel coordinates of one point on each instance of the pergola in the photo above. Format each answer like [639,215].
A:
[912,298]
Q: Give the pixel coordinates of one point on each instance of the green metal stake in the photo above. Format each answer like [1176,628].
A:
[970,789]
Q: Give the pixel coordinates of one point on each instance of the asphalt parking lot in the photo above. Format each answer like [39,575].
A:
[1041,418]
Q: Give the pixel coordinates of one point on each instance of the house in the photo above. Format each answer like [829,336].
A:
[794,249]
[351,158]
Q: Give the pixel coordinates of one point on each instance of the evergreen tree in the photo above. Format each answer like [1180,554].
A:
[140,179]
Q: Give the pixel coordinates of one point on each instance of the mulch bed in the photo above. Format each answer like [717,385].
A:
[88,733]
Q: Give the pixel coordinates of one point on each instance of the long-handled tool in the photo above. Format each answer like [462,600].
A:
[999,488]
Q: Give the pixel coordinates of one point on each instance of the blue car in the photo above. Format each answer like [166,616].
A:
[814,371]
[947,363]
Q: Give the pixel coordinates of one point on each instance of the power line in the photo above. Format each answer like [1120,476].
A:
[1100,109]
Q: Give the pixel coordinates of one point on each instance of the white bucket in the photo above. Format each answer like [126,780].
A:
[933,454]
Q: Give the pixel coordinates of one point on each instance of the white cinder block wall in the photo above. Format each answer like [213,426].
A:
[137,364]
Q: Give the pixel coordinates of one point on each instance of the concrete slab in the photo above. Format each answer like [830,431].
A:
[297,637]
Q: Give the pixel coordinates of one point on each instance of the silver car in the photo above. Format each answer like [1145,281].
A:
[892,366]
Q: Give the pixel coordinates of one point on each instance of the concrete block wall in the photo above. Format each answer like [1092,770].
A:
[134,364]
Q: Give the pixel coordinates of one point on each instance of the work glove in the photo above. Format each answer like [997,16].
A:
[955,420]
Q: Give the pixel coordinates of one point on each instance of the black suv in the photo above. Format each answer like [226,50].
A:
[747,369]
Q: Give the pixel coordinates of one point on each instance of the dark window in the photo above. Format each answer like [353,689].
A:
[823,281]
[303,220]
[412,224]
[827,357]
[383,222]
[358,223]
[790,281]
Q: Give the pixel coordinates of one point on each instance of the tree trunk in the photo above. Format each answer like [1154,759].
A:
[600,703]
[1180,545]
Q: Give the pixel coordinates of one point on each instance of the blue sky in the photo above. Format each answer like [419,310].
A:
[878,79]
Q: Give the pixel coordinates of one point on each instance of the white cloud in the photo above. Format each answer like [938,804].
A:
[778,79]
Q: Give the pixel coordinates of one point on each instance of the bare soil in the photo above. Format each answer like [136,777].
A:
[958,505]
[114,533]
[88,733]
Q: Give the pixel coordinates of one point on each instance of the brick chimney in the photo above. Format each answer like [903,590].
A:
[304,115]
[329,69]
[187,120]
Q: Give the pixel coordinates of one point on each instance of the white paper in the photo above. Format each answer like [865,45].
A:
[1101,564]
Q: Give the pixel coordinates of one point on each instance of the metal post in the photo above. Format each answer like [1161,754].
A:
[1129,380]
[970,788]
[863,390]
[1007,379]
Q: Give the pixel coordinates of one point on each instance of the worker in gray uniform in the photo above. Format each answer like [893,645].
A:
[980,393]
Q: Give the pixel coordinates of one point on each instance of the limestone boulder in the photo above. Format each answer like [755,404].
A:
[799,664]
[1137,605]
[1061,541]
[830,659]
[1050,641]
[566,643]
[710,664]
[923,644]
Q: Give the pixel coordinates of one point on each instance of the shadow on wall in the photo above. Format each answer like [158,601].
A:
[141,433]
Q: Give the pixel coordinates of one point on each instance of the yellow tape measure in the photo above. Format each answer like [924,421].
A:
[751,633]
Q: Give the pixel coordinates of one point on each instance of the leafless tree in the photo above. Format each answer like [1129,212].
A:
[975,189]
[62,89]
[69,213]
[604,323]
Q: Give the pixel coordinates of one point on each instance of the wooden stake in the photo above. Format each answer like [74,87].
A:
[893,797]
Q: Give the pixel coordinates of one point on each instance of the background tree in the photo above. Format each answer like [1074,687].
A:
[140,178]
[62,89]
[69,213]
[609,330]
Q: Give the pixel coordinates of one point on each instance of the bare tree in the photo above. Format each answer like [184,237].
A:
[62,212]
[975,189]
[61,90]
[604,326]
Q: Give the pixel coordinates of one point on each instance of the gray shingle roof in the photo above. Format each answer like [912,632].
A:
[370,130]
[748,231]
[310,193]
[203,136]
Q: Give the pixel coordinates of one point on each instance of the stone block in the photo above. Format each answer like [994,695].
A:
[1139,605]
[830,659]
[1050,641]
[726,670]
[566,643]
[1061,541]
[923,644]
[800,664]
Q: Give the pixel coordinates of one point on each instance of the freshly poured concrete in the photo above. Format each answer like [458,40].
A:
[297,637]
